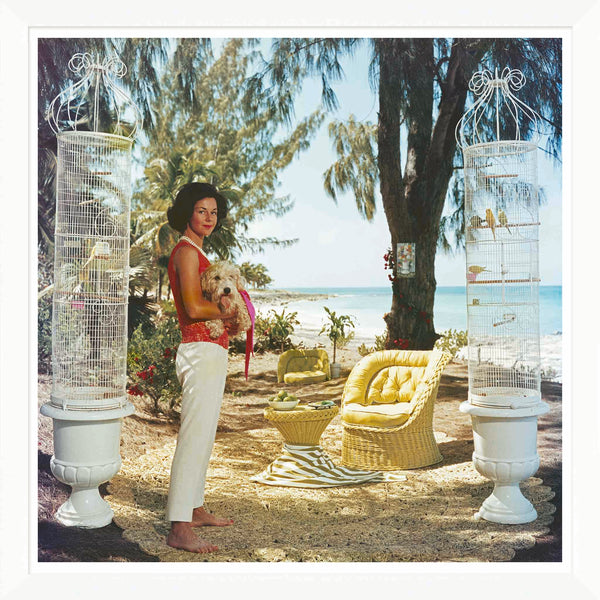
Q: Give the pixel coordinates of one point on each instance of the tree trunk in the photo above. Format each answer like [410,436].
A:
[413,202]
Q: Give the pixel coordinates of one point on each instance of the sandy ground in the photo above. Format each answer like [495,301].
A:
[243,406]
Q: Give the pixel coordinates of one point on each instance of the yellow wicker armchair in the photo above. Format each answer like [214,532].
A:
[303,366]
[387,410]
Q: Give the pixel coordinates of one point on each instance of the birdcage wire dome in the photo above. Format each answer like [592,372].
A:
[502,256]
[95,103]
[91,266]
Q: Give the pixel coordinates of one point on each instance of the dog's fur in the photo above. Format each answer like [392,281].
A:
[223,280]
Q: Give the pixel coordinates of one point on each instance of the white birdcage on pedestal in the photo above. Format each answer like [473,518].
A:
[91,268]
[502,273]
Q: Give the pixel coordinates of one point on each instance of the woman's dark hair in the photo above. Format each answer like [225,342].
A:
[181,212]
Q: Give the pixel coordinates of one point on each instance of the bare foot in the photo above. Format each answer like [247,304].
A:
[182,537]
[201,518]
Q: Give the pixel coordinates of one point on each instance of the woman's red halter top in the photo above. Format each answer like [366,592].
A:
[191,330]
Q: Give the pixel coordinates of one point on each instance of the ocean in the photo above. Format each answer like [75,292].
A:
[368,305]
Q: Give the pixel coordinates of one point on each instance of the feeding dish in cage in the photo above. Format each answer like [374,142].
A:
[504,397]
[87,398]
[102,249]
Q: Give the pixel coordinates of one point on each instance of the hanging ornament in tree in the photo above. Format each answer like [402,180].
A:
[406,259]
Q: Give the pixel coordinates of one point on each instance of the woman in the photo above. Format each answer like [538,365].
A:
[201,364]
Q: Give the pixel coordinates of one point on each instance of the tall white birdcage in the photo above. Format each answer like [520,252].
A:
[95,122]
[502,257]
[89,319]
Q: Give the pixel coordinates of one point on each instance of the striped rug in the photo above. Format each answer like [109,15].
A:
[308,466]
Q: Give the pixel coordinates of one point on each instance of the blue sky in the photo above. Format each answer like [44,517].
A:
[337,247]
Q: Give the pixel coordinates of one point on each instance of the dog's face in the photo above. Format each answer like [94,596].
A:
[221,279]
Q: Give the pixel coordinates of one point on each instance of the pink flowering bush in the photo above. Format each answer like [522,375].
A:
[151,363]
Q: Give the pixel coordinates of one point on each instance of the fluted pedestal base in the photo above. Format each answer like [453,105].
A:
[86,454]
[85,508]
[506,504]
[505,451]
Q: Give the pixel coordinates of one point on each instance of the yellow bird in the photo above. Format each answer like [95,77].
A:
[502,219]
[491,221]
[477,269]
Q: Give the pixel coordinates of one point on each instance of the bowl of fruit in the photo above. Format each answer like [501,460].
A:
[283,401]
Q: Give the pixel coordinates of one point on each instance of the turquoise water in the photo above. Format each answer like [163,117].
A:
[368,305]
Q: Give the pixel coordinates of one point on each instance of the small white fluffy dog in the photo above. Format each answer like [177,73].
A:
[220,284]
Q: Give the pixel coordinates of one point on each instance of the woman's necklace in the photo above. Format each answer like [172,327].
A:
[187,239]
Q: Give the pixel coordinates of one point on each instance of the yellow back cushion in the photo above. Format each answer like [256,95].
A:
[302,363]
[394,384]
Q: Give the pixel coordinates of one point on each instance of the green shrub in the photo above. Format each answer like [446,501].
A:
[272,331]
[45,334]
[363,350]
[452,340]
[151,362]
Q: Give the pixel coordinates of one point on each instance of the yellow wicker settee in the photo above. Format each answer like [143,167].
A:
[303,366]
[387,410]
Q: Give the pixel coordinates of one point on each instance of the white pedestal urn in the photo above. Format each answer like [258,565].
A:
[86,454]
[505,451]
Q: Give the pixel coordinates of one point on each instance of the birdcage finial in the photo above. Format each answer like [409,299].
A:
[74,108]
[495,94]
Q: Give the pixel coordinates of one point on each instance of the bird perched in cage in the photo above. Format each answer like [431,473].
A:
[221,283]
[475,270]
[491,221]
[476,221]
[502,219]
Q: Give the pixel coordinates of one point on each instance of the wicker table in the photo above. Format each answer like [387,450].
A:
[301,425]
[302,462]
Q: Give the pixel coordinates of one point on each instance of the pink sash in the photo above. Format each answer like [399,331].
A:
[250,332]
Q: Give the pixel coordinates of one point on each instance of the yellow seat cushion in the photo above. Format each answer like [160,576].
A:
[377,415]
[305,377]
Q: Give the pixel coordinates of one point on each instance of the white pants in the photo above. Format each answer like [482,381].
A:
[201,369]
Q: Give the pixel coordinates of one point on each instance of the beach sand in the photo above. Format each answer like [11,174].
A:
[242,411]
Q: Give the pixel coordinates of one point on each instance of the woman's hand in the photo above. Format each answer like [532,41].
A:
[231,327]
[228,316]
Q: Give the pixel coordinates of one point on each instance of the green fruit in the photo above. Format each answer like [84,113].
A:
[282,394]
[290,397]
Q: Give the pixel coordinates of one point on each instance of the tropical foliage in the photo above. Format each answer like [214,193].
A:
[363,349]
[255,274]
[452,340]
[205,134]
[273,330]
[195,129]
